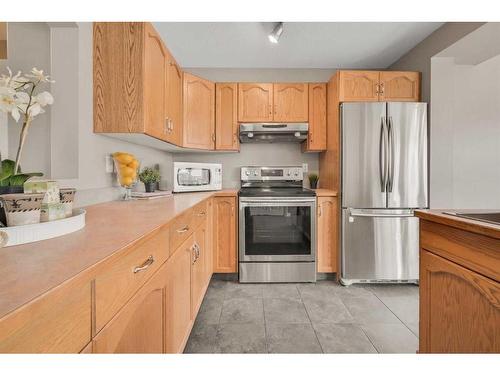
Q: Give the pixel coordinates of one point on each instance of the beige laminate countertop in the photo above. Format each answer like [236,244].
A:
[30,270]
[475,226]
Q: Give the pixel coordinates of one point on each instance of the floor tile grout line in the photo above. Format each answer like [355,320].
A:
[368,337]
[393,313]
[310,321]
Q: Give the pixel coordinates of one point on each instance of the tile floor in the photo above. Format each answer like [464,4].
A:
[306,318]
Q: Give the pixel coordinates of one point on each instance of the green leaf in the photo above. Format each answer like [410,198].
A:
[21,178]
[7,169]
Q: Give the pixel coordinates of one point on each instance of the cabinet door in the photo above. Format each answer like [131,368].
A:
[173,101]
[199,113]
[154,84]
[290,102]
[209,246]
[225,249]
[358,86]
[198,270]
[316,139]
[138,326]
[178,320]
[327,234]
[255,102]
[459,308]
[226,116]
[400,86]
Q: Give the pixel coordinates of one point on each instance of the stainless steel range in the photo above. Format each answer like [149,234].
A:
[277,226]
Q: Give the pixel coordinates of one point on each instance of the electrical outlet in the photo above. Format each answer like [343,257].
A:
[305,167]
[110,166]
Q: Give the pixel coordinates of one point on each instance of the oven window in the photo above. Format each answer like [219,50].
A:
[282,230]
[193,176]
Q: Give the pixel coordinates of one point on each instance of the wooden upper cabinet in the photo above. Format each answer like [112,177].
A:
[173,100]
[327,232]
[400,86]
[358,86]
[226,117]
[459,308]
[199,112]
[225,249]
[155,60]
[290,102]
[255,102]
[138,326]
[316,140]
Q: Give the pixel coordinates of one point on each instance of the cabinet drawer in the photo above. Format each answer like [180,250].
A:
[115,286]
[200,214]
[180,229]
[59,322]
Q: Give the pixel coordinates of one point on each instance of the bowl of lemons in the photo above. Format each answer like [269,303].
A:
[126,166]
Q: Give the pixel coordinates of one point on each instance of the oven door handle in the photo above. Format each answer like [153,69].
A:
[272,201]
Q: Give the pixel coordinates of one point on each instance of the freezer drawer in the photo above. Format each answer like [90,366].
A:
[379,246]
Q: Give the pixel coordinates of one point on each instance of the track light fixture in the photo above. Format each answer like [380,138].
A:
[275,35]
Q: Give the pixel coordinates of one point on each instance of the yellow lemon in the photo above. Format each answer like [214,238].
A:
[126,171]
[123,158]
[126,181]
[133,164]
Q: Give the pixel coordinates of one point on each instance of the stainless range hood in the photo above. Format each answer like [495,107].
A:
[273,132]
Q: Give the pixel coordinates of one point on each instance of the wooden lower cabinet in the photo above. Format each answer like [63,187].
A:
[327,233]
[139,326]
[459,308]
[198,268]
[225,235]
[178,321]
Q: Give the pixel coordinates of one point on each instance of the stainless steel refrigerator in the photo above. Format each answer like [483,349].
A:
[384,178]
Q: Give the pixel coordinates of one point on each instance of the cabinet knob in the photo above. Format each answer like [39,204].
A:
[381,88]
[144,265]
[166,127]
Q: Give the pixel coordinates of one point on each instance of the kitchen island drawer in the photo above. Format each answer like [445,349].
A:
[180,229]
[116,285]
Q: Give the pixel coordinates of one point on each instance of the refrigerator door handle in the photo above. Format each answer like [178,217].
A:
[355,213]
[390,157]
[382,153]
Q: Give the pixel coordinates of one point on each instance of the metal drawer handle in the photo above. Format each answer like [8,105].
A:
[183,230]
[145,265]
[202,213]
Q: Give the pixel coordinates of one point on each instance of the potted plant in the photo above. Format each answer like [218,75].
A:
[19,96]
[150,177]
[313,180]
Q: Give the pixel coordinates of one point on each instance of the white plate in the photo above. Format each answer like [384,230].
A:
[43,231]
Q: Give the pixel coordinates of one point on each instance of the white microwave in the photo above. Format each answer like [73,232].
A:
[197,176]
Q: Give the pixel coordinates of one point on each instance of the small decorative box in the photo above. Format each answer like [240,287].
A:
[52,211]
[50,188]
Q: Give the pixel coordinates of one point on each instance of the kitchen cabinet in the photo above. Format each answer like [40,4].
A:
[173,100]
[373,86]
[178,298]
[399,86]
[138,326]
[226,117]
[459,285]
[129,61]
[327,233]
[255,102]
[290,102]
[199,112]
[225,234]
[358,86]
[316,139]
[460,309]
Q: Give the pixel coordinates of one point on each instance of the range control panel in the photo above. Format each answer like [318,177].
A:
[272,174]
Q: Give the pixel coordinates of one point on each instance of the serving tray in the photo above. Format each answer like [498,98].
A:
[43,231]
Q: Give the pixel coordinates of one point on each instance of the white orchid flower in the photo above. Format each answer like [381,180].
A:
[8,102]
[44,98]
[39,76]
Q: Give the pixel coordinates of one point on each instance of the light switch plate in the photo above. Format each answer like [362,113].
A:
[305,167]
[110,167]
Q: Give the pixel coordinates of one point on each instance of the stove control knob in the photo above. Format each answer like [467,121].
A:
[247,173]
[255,173]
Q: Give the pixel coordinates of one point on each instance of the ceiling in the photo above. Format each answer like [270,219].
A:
[323,45]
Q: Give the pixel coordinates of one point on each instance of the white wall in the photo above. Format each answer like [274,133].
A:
[465,132]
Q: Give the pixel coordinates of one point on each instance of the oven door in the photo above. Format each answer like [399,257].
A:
[277,229]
